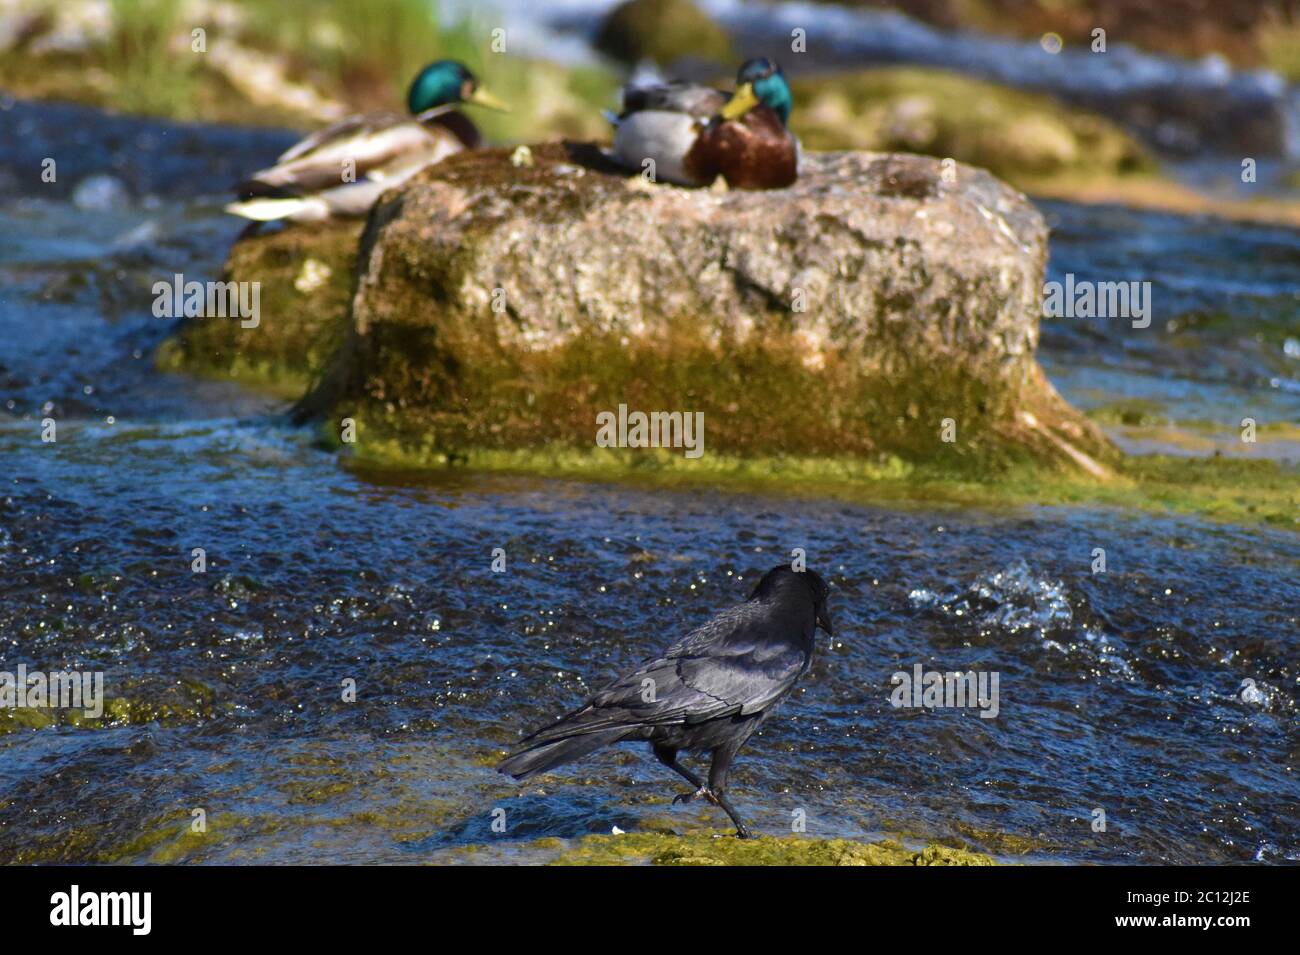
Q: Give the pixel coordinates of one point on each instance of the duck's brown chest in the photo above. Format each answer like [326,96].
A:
[753,152]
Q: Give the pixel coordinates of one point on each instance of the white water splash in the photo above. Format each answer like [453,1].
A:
[1015,600]
[1012,600]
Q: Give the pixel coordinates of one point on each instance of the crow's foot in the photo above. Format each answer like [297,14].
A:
[702,793]
[742,830]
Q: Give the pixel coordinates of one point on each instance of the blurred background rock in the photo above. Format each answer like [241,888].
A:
[1183,92]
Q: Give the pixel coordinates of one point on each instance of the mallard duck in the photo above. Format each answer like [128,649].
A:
[695,134]
[339,171]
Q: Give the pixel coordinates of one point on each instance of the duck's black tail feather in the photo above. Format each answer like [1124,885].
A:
[261,189]
[544,756]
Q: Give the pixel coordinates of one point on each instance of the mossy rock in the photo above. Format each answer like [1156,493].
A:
[175,703]
[707,847]
[1016,135]
[664,31]
[306,274]
[502,306]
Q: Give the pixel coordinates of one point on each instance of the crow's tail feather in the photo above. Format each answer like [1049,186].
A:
[541,757]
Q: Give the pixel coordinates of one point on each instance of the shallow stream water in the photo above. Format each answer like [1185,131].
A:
[1162,692]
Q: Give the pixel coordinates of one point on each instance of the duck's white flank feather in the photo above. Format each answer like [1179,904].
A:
[664,135]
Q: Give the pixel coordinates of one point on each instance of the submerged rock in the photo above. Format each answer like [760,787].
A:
[100,193]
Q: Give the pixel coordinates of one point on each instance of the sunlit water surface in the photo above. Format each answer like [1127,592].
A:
[1161,691]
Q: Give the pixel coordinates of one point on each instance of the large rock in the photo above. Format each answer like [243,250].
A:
[503,304]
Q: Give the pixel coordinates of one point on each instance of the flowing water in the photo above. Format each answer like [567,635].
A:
[1161,692]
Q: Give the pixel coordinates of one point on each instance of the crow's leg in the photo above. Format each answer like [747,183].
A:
[668,757]
[722,757]
[742,830]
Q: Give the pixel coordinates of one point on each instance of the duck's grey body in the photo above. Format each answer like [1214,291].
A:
[662,123]
[678,126]
[340,171]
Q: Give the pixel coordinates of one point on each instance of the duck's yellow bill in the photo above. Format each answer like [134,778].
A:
[481,97]
[741,102]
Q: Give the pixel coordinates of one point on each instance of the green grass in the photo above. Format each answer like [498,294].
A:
[362,54]
[339,37]
[149,56]
[1280,45]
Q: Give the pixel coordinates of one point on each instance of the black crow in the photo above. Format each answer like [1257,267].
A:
[706,693]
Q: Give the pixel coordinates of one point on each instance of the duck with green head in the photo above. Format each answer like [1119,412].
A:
[339,171]
[695,133]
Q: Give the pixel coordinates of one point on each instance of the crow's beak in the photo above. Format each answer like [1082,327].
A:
[824,620]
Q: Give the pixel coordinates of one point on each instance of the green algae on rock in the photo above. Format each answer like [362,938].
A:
[178,703]
[1222,489]
[306,276]
[885,305]
[707,847]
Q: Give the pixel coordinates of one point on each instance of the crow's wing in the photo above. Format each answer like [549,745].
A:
[740,662]
[753,679]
